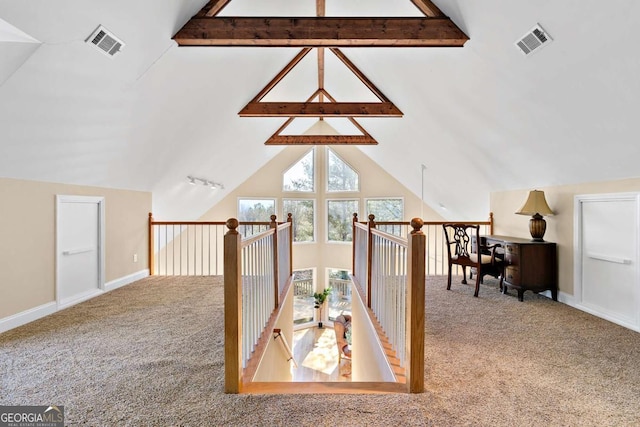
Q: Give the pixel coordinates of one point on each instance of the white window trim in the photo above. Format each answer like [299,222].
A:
[315,220]
[315,175]
[313,322]
[366,210]
[275,205]
[326,181]
[326,218]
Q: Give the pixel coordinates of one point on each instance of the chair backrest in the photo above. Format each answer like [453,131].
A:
[461,237]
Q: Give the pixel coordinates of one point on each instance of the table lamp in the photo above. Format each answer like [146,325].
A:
[537,206]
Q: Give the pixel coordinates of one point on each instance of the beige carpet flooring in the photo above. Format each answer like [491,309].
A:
[151,354]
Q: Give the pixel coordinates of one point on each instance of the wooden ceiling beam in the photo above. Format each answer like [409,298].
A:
[359,74]
[281,75]
[428,8]
[320,109]
[212,8]
[321,140]
[321,32]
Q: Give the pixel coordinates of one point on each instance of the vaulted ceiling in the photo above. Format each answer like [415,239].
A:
[481,118]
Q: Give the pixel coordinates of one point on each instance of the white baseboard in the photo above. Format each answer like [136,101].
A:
[562,297]
[77,299]
[27,316]
[607,316]
[571,301]
[41,311]
[567,299]
[123,281]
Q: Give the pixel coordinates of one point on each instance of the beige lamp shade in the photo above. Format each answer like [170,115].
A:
[535,204]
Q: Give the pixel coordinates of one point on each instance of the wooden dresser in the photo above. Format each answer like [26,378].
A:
[529,265]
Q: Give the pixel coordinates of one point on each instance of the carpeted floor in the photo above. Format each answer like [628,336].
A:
[151,354]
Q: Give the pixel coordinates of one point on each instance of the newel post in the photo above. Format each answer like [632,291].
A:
[150,240]
[416,257]
[276,273]
[370,226]
[232,308]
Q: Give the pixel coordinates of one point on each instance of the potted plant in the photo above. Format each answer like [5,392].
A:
[319,300]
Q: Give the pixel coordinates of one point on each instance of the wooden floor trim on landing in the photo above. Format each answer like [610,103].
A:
[322,387]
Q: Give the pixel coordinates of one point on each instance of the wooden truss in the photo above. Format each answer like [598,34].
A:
[435,29]
[320,32]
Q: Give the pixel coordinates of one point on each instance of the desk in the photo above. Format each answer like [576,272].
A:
[529,265]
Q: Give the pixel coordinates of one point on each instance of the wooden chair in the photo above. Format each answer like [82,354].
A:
[464,249]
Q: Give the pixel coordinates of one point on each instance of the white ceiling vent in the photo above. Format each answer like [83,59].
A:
[103,40]
[533,41]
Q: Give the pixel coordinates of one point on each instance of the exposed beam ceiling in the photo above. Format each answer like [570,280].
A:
[320,109]
[321,32]
[426,6]
[206,29]
[257,108]
[321,140]
[364,139]
[213,8]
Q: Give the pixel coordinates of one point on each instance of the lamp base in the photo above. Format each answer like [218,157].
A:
[537,227]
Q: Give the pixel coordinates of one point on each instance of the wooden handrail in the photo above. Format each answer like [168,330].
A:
[285,344]
[154,226]
[249,240]
[392,237]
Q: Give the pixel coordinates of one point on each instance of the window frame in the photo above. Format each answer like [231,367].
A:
[366,206]
[326,181]
[327,272]
[344,199]
[314,178]
[315,218]
[314,281]
[275,206]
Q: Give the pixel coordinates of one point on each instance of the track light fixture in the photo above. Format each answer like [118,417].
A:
[211,184]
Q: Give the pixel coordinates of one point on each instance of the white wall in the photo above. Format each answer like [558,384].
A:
[274,365]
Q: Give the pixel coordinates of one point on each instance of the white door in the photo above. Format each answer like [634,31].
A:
[79,248]
[609,257]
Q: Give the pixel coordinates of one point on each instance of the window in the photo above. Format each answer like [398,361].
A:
[386,209]
[340,176]
[340,219]
[303,218]
[300,176]
[340,297]
[303,301]
[255,210]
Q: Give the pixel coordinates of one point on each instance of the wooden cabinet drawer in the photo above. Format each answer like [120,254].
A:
[511,249]
[511,255]
[512,275]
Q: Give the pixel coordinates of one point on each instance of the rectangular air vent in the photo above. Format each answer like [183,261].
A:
[533,41]
[103,40]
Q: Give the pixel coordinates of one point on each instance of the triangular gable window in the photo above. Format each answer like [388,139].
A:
[340,176]
[299,177]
